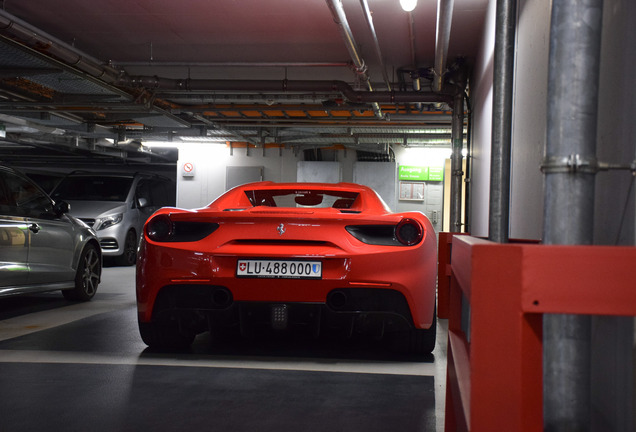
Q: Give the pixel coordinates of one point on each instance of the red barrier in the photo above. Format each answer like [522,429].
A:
[443,273]
[497,295]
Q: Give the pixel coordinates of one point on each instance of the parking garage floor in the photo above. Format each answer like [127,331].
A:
[80,367]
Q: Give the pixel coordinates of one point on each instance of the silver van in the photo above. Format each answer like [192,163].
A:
[116,206]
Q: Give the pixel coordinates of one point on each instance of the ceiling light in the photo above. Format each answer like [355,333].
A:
[408,5]
[160,144]
[208,139]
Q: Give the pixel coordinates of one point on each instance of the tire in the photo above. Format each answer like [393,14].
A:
[129,256]
[87,276]
[416,341]
[165,336]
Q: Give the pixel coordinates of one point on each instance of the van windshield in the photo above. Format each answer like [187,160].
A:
[93,188]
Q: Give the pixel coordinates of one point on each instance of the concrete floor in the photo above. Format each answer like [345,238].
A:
[83,367]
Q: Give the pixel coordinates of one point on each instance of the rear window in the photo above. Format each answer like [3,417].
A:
[302,198]
[88,188]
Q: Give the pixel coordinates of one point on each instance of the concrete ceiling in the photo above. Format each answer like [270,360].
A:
[96,79]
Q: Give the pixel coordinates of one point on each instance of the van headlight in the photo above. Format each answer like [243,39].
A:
[108,221]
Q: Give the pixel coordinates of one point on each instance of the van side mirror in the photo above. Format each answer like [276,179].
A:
[142,202]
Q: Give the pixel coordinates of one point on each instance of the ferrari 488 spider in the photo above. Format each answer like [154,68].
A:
[288,256]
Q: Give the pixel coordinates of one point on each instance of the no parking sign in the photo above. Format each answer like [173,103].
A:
[187,169]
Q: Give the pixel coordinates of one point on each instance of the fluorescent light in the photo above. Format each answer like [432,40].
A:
[408,5]
[210,139]
[160,144]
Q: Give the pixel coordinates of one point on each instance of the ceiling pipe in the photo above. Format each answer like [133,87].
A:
[376,43]
[339,122]
[29,124]
[411,26]
[340,18]
[16,29]
[234,64]
[442,37]
[21,32]
[375,97]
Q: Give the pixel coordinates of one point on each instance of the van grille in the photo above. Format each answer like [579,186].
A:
[108,244]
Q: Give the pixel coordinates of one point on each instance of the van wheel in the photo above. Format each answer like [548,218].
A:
[129,257]
[87,277]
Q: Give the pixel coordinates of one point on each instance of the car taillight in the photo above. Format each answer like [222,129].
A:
[162,228]
[409,232]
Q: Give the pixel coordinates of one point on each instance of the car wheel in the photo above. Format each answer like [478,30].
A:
[87,277]
[416,341]
[129,256]
[165,336]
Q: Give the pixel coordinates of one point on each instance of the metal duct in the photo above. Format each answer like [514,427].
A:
[504,56]
[376,43]
[411,26]
[575,51]
[442,37]
[232,64]
[284,86]
[457,173]
[339,16]
[30,125]
[14,28]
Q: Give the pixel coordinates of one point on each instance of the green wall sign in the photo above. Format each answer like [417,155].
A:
[435,174]
[413,173]
[420,173]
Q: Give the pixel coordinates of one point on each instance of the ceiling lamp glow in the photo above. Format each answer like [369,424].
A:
[408,5]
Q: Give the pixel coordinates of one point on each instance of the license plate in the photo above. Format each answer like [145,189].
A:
[279,269]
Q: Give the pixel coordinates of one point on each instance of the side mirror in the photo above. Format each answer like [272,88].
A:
[142,202]
[61,207]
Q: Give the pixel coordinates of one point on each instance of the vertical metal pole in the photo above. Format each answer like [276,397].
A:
[457,173]
[503,80]
[575,40]
[469,162]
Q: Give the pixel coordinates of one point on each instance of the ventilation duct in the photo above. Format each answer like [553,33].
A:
[442,38]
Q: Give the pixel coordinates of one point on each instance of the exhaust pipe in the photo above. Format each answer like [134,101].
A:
[222,298]
[337,300]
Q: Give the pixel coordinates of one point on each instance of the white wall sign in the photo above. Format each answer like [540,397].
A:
[187,169]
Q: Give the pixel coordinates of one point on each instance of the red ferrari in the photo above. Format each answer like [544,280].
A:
[288,256]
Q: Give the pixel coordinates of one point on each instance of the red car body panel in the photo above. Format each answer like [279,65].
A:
[299,233]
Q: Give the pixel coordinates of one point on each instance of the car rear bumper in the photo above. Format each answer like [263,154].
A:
[350,311]
[346,282]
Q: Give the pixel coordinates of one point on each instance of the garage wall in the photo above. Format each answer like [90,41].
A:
[481,99]
[210,162]
[529,121]
[616,129]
